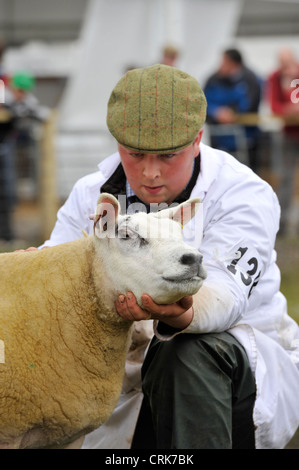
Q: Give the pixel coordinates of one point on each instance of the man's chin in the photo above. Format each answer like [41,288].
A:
[152,196]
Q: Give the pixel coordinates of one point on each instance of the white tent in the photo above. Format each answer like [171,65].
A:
[116,35]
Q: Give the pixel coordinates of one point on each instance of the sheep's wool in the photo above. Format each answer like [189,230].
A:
[62,382]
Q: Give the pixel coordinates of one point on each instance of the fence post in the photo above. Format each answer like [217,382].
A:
[48,177]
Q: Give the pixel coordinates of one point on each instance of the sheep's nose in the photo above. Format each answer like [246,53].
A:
[191,258]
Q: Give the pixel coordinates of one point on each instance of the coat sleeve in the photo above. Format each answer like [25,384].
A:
[240,226]
[237,247]
[73,216]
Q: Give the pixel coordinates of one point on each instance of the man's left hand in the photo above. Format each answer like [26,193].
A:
[178,315]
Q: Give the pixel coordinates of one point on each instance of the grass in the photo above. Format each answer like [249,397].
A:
[289,287]
[288,262]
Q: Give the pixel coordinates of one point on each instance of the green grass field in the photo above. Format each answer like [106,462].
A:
[288,262]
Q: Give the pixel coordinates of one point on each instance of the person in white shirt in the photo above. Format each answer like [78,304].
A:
[221,370]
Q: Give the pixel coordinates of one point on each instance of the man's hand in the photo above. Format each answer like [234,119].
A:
[225,115]
[178,315]
[31,248]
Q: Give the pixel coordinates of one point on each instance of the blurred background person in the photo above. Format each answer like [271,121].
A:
[279,93]
[17,142]
[170,55]
[27,113]
[280,87]
[21,100]
[233,89]
[7,183]
[3,74]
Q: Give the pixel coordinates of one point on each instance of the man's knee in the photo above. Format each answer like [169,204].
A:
[203,373]
[221,349]
[200,359]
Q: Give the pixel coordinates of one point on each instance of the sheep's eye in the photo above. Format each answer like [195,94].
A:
[127,234]
[143,242]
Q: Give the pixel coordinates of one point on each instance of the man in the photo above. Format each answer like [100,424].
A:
[283,100]
[20,107]
[221,370]
[233,90]
[170,55]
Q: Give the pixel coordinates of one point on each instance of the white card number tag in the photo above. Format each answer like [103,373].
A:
[245,267]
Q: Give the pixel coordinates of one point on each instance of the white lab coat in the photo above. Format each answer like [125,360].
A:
[240,218]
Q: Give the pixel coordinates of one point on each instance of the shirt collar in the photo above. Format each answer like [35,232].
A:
[129,190]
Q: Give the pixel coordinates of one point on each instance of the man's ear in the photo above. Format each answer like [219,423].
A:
[196,143]
[107,211]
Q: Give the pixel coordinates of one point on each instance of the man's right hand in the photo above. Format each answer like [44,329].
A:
[225,115]
[31,248]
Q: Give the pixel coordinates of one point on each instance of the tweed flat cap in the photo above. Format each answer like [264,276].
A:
[156,109]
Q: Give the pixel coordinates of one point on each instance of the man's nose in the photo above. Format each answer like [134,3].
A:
[151,169]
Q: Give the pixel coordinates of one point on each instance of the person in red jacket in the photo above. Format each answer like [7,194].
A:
[284,101]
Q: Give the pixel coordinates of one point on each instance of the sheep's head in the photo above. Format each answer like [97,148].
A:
[146,253]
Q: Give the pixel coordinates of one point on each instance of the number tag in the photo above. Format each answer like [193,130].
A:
[245,267]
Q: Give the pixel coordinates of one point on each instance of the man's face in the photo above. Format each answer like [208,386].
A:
[227,66]
[157,178]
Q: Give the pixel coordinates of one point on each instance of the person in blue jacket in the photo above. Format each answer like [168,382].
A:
[233,90]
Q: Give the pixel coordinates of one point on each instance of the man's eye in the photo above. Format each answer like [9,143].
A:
[168,155]
[136,155]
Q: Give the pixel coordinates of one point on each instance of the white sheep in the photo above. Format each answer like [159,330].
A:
[63,345]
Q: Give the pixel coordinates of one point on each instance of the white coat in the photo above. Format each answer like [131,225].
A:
[239,222]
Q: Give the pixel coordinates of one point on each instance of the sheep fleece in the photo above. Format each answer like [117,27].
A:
[65,346]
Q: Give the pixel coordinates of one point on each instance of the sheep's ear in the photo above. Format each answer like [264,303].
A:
[182,213]
[106,214]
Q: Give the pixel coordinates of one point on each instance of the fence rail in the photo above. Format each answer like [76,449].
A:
[58,169]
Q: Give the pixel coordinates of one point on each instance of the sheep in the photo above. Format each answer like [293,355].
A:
[63,345]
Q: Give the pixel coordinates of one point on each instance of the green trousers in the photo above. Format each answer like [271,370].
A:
[199,393]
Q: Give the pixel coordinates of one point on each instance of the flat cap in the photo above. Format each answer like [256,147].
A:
[156,109]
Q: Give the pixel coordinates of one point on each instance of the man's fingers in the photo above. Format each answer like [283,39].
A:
[127,307]
[164,310]
[186,302]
